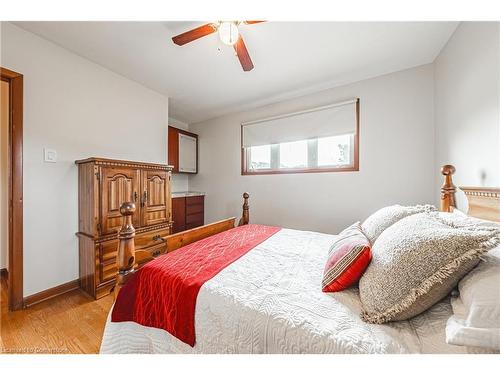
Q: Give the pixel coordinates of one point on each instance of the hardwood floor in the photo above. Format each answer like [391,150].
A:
[70,323]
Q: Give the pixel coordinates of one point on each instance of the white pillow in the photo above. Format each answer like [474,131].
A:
[382,219]
[476,311]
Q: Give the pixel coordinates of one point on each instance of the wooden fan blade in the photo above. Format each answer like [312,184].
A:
[194,34]
[243,56]
[252,22]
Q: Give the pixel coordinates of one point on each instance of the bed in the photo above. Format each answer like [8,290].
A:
[268,300]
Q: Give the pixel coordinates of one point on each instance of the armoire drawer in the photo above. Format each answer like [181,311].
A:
[149,241]
[108,269]
[155,251]
[151,238]
[108,249]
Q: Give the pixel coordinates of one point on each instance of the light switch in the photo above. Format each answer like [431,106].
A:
[50,155]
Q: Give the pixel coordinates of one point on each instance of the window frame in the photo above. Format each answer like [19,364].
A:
[352,168]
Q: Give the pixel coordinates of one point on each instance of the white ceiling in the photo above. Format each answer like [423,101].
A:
[204,78]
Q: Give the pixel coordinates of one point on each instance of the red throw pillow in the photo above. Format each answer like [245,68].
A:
[348,259]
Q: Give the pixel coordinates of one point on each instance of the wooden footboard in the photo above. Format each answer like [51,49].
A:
[128,257]
[175,241]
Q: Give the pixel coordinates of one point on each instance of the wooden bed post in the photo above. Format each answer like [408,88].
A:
[125,259]
[448,189]
[245,218]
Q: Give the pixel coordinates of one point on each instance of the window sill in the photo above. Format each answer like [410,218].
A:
[308,170]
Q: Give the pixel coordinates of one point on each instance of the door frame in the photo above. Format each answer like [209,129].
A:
[15,81]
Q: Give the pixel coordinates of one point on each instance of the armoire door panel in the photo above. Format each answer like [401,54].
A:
[155,197]
[118,185]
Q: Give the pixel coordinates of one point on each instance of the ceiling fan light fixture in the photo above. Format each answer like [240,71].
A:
[228,32]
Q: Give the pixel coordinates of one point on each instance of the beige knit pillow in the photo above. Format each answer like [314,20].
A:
[417,262]
[382,219]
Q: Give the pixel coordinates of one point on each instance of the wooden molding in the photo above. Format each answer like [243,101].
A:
[484,203]
[15,81]
[481,192]
[8,74]
[124,163]
[112,236]
[51,293]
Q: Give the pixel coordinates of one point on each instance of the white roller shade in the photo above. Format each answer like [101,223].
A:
[335,119]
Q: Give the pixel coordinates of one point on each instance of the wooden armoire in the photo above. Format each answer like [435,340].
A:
[103,185]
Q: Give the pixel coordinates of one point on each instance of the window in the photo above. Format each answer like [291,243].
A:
[322,139]
[293,154]
[260,157]
[335,151]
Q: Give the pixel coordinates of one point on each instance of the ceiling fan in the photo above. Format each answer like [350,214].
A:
[228,34]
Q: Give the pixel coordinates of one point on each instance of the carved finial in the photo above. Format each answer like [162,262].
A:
[448,189]
[447,170]
[245,218]
[127,208]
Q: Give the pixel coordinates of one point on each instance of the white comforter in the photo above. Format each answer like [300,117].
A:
[270,301]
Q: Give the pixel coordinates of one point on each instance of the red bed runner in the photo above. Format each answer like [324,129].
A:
[162,294]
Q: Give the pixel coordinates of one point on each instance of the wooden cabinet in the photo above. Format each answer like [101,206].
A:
[182,150]
[195,211]
[187,153]
[103,185]
[178,214]
[187,212]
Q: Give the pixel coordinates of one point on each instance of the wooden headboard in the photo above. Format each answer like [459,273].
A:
[484,203]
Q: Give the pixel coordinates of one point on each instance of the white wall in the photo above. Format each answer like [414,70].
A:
[467,105]
[396,159]
[80,109]
[4,175]
[180,181]
[178,124]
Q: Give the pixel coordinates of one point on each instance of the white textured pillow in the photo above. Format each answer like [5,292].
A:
[382,219]
[417,262]
[476,311]
[462,219]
